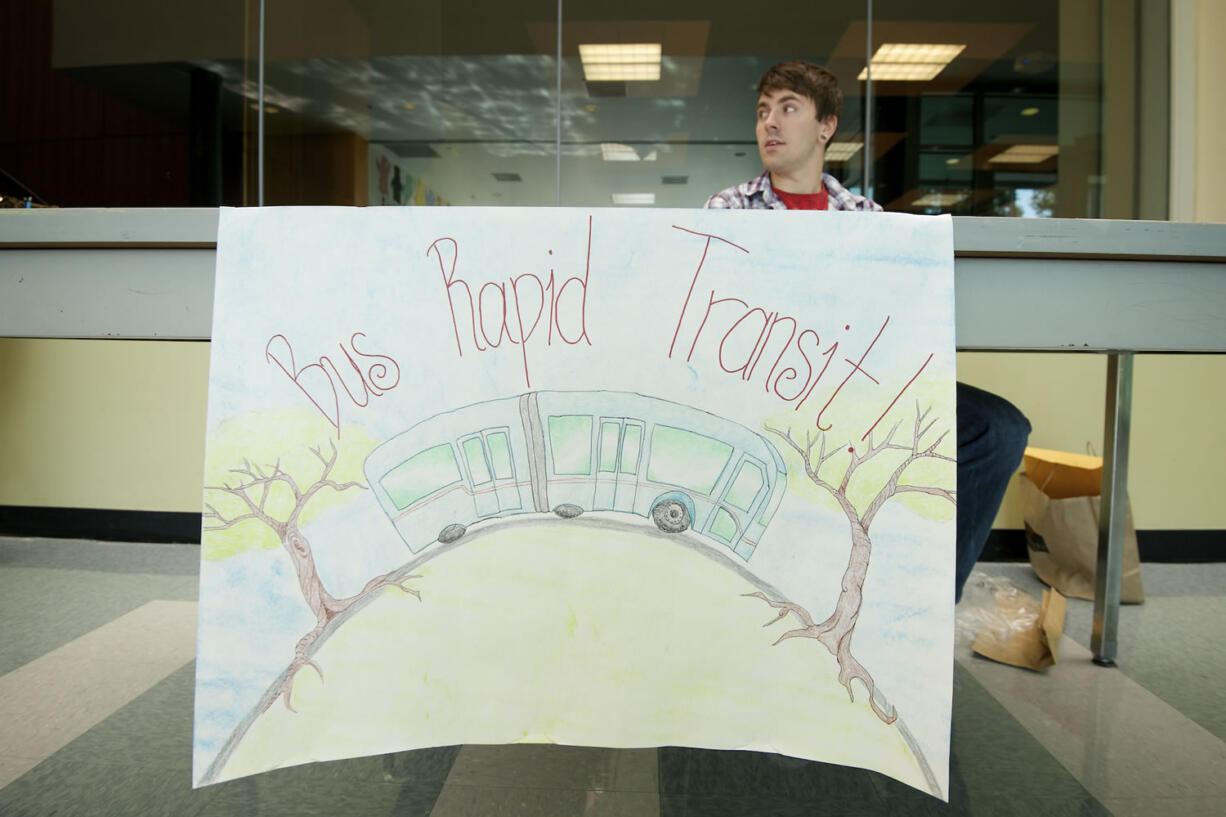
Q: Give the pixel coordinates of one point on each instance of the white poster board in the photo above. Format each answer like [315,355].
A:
[482,475]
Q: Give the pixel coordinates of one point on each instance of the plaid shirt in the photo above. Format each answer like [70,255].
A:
[757,194]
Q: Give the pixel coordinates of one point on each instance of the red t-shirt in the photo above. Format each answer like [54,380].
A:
[804,201]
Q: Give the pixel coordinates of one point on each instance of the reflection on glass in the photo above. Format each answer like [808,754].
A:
[108,105]
[1000,111]
[687,131]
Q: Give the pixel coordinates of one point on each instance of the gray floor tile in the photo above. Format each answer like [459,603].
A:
[992,756]
[108,557]
[556,767]
[152,732]
[42,609]
[350,788]
[1164,806]
[469,801]
[708,773]
[100,788]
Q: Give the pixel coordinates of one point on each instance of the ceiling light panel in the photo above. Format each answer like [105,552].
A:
[614,152]
[940,200]
[1025,154]
[634,198]
[620,62]
[913,62]
[842,151]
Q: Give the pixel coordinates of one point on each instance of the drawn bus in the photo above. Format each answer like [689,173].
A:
[573,452]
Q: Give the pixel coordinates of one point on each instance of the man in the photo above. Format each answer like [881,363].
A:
[799,104]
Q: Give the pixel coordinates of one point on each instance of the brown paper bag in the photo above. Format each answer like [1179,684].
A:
[1033,640]
[1060,505]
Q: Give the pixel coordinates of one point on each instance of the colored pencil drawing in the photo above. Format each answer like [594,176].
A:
[489,477]
[576,452]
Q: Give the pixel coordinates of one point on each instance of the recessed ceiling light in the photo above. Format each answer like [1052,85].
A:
[634,198]
[620,62]
[911,61]
[408,106]
[1029,111]
[842,151]
[1025,154]
[614,152]
[952,160]
[940,200]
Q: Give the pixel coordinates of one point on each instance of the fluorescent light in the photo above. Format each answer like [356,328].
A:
[620,62]
[842,151]
[914,62]
[634,198]
[939,200]
[1026,154]
[616,152]
[918,52]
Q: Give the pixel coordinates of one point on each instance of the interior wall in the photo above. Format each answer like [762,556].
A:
[120,424]
[102,423]
[1210,112]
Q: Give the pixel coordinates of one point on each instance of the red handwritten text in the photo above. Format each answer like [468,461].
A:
[376,375]
[742,335]
[512,309]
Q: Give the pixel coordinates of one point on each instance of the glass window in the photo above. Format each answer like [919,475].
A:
[768,512]
[723,526]
[386,102]
[474,453]
[500,454]
[570,443]
[609,433]
[632,442]
[421,475]
[684,458]
[136,104]
[745,487]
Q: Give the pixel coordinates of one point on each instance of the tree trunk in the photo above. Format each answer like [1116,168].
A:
[321,602]
[842,621]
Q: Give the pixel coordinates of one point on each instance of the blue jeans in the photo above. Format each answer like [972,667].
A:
[991,438]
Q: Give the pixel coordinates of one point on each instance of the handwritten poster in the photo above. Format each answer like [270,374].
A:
[600,477]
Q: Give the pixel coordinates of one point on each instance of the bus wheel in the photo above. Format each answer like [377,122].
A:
[671,516]
[568,511]
[451,533]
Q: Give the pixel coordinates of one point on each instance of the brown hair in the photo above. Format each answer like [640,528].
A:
[808,79]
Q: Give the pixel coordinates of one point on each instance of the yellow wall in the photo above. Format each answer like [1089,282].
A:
[1178,438]
[120,424]
[102,424]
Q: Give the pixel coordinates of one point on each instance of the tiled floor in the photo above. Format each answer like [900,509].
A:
[96,684]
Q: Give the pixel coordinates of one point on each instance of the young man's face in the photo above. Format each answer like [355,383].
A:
[790,138]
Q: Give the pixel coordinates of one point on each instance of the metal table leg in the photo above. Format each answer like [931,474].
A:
[1114,503]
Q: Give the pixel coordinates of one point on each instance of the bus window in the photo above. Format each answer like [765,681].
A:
[745,487]
[609,432]
[632,441]
[723,527]
[768,512]
[500,454]
[570,440]
[680,457]
[421,475]
[474,452]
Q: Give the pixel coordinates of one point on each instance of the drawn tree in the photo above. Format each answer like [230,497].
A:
[836,632]
[261,505]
